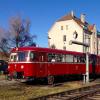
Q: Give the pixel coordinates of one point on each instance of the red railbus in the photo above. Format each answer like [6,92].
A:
[36,62]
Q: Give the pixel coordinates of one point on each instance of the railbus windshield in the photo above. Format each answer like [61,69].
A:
[22,56]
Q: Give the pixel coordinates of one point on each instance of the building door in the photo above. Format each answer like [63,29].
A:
[94,60]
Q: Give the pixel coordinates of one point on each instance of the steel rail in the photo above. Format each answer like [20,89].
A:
[75,94]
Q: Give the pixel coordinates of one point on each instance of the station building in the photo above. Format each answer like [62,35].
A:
[70,27]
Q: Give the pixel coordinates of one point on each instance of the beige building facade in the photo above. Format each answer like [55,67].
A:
[68,28]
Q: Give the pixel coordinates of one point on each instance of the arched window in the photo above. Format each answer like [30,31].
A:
[75,35]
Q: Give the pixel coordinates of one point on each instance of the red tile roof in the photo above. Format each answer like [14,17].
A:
[66,17]
[90,27]
[78,21]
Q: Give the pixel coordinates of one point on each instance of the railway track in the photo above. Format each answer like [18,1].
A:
[94,97]
[84,93]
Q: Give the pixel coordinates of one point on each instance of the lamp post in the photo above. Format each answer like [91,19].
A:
[87,58]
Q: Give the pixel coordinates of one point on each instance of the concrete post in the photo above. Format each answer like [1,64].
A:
[87,67]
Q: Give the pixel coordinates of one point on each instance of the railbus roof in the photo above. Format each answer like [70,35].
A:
[47,50]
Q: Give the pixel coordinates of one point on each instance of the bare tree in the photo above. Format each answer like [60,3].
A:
[4,41]
[18,34]
[20,30]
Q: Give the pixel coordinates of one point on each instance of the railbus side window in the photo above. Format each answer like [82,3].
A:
[75,59]
[33,56]
[58,57]
[55,57]
[83,59]
[69,58]
[51,57]
[63,58]
[79,59]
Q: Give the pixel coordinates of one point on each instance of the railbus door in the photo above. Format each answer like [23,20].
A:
[42,65]
[94,60]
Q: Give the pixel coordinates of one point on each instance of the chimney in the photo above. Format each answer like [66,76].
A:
[72,13]
[83,18]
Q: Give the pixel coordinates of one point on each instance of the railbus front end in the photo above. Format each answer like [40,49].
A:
[21,64]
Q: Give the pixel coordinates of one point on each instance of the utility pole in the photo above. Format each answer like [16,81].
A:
[86,76]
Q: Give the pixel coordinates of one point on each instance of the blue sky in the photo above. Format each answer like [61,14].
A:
[43,13]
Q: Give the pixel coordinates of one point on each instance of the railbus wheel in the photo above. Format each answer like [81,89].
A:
[50,80]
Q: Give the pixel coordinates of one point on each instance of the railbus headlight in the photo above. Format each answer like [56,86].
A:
[22,66]
[8,67]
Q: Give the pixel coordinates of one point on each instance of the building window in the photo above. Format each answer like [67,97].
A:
[99,42]
[64,48]
[75,35]
[69,58]
[53,46]
[94,45]
[64,38]
[61,27]
[66,27]
[87,39]
[98,51]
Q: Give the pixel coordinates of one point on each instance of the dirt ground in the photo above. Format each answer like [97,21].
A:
[16,90]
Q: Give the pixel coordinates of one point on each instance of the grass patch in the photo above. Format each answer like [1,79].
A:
[21,91]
